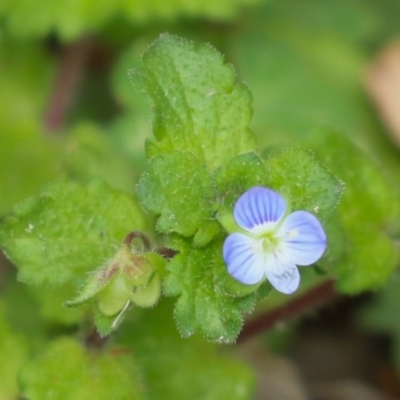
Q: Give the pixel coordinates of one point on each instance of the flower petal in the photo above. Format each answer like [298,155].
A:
[283,275]
[244,264]
[259,208]
[303,238]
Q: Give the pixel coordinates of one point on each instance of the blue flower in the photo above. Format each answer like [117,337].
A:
[273,243]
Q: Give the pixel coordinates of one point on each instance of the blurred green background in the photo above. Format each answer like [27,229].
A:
[67,103]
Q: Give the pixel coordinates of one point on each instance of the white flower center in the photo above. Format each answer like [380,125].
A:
[267,243]
[270,241]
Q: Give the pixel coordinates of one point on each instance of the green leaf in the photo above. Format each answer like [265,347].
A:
[65,370]
[13,353]
[105,324]
[237,176]
[197,105]
[368,208]
[208,301]
[297,175]
[68,231]
[178,188]
[176,368]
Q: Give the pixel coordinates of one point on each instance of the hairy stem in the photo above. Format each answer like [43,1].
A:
[308,301]
[137,235]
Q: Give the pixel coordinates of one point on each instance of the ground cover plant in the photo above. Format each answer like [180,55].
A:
[179,178]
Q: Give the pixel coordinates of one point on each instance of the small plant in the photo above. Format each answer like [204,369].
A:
[134,267]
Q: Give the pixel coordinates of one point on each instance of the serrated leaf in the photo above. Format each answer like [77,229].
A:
[205,303]
[197,105]
[65,370]
[68,231]
[236,176]
[176,368]
[178,188]
[304,181]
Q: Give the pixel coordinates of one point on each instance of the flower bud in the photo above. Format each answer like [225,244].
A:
[127,277]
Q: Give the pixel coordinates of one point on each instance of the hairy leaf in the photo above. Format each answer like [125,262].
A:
[178,188]
[236,176]
[197,104]
[67,231]
[304,181]
[176,368]
[207,301]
